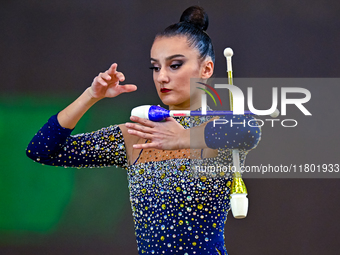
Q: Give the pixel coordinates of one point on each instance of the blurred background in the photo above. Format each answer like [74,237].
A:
[50,51]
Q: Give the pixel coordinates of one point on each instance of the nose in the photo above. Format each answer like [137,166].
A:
[162,76]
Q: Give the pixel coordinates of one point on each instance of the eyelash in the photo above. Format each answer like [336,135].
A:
[154,68]
[174,67]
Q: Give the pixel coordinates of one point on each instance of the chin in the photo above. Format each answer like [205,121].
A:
[165,99]
[168,102]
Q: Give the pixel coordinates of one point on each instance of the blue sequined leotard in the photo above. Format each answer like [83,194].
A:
[177,208]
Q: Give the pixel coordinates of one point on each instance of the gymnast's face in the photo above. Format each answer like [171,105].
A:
[174,62]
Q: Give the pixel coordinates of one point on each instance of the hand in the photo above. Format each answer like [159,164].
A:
[107,84]
[168,135]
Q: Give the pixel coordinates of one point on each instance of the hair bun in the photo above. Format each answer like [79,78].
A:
[196,16]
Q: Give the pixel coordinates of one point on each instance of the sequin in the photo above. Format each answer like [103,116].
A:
[176,194]
[172,203]
[203,178]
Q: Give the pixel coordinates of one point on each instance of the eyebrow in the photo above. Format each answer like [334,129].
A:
[169,58]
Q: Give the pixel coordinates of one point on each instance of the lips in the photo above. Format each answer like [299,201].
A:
[165,90]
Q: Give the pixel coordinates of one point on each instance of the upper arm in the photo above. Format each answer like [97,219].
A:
[233,132]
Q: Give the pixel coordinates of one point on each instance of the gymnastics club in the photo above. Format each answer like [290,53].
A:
[157,113]
[238,192]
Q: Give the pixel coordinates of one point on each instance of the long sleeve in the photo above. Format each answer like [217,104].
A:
[233,132]
[54,145]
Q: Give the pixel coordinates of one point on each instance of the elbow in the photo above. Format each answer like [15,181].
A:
[251,139]
[36,151]
[32,153]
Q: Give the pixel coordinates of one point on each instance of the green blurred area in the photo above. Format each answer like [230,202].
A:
[43,200]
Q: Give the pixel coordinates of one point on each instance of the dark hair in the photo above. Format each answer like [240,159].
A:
[193,24]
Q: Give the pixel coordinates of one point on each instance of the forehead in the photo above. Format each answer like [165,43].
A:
[164,47]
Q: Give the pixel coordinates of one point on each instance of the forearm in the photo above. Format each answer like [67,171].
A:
[69,117]
[54,145]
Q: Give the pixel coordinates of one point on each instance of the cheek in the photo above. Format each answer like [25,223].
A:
[187,74]
[155,81]
[183,84]
[185,79]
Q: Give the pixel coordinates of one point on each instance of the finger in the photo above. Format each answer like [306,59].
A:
[113,69]
[142,121]
[120,76]
[127,88]
[146,146]
[140,134]
[106,76]
[101,81]
[144,129]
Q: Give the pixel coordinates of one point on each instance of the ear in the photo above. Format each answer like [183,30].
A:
[207,69]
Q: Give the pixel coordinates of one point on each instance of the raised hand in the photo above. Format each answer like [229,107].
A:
[104,85]
[107,84]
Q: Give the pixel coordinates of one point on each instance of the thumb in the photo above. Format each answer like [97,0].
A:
[127,88]
[171,119]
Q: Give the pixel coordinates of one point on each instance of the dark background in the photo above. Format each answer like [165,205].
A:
[50,51]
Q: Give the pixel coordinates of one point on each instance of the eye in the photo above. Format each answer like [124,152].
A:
[154,68]
[176,66]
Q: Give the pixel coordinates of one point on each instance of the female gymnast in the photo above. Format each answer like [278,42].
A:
[177,209]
